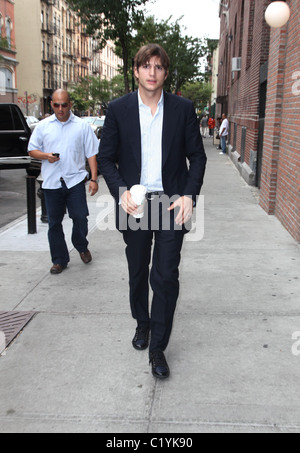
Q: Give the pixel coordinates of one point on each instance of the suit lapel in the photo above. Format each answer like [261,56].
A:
[132,121]
[168,126]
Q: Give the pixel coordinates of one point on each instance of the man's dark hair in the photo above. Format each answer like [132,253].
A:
[149,51]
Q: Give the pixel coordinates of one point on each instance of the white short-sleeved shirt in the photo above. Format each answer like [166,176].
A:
[225,127]
[74,140]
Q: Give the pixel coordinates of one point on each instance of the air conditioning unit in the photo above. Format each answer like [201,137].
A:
[236,64]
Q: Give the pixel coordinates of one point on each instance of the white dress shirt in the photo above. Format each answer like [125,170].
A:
[151,135]
[74,140]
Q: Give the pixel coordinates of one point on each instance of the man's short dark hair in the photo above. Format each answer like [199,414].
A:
[149,51]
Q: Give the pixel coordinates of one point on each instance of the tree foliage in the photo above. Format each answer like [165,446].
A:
[114,20]
[198,92]
[123,22]
[92,93]
[184,51]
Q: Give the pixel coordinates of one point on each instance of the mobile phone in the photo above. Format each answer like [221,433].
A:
[55,154]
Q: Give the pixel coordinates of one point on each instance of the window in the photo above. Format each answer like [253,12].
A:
[2,82]
[6,123]
[8,28]
[6,79]
[1,24]
[17,120]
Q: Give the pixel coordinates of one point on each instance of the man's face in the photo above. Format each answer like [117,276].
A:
[152,75]
[61,106]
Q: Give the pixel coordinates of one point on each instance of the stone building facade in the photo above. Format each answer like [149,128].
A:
[54,52]
[8,61]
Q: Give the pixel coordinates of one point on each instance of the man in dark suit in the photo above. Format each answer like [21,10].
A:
[147,139]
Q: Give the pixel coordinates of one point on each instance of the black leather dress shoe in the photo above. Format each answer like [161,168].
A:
[141,339]
[160,368]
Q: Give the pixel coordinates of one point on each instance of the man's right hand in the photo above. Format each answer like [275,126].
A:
[127,203]
[52,159]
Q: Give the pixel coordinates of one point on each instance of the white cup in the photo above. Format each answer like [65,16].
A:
[138,194]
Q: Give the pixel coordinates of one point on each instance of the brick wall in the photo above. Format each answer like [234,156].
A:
[280,184]
[270,64]
[246,36]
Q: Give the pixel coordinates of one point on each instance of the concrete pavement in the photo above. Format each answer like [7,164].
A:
[13,200]
[73,368]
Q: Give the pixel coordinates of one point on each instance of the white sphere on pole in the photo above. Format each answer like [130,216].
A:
[278,14]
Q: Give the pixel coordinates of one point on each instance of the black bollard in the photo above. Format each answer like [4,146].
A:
[31,204]
[44,215]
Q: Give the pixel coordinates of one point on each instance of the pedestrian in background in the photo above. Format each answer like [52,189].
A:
[147,138]
[211,125]
[204,126]
[224,130]
[63,142]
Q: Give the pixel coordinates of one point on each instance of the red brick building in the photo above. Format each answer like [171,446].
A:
[8,62]
[259,89]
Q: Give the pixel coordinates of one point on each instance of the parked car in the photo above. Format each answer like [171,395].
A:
[96,123]
[32,122]
[14,137]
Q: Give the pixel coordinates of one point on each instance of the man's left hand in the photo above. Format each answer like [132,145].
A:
[93,188]
[186,210]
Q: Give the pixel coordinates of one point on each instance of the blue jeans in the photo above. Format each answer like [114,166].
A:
[57,201]
[223,143]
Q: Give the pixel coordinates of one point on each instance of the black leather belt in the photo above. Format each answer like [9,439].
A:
[151,195]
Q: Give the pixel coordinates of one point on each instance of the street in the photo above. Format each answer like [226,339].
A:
[13,202]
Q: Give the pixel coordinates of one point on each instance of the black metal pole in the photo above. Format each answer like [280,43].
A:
[31,204]
[44,215]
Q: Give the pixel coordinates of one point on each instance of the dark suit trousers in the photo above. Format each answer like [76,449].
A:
[164,278]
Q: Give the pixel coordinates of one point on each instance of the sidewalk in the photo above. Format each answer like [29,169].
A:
[73,368]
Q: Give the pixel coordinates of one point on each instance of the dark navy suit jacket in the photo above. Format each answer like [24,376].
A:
[183,160]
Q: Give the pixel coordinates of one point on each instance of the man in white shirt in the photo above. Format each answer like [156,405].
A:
[63,142]
[224,132]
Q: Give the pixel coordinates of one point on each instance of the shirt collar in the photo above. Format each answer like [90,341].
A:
[53,118]
[159,102]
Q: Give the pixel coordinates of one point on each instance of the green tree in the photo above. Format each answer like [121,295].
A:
[90,93]
[117,87]
[184,51]
[79,97]
[198,92]
[114,20]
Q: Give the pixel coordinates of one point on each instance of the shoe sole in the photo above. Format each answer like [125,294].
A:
[140,349]
[161,378]
[57,273]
